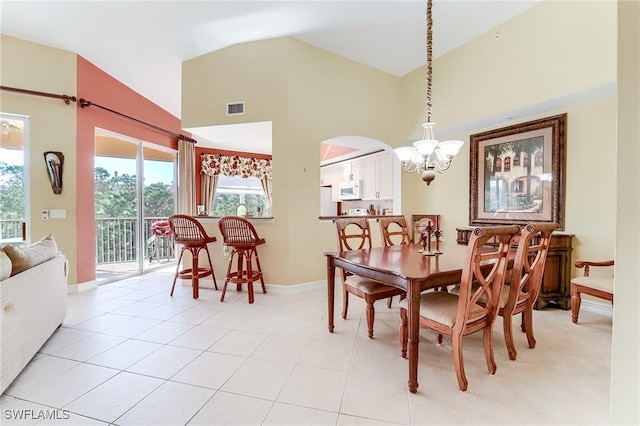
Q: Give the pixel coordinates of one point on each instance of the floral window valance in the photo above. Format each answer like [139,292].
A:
[233,165]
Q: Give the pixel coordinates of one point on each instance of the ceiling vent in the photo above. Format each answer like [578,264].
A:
[235,108]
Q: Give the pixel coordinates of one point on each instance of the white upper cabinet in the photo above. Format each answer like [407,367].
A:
[377,177]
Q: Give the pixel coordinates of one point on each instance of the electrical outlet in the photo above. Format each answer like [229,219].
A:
[45,214]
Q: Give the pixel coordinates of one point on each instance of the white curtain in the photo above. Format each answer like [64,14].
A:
[186,177]
[266,187]
[209,184]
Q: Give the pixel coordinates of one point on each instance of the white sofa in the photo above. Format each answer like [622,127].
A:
[34,304]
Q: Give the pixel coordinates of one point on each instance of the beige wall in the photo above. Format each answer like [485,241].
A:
[299,88]
[625,373]
[32,66]
[543,64]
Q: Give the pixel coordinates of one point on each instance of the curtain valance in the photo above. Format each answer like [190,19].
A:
[234,165]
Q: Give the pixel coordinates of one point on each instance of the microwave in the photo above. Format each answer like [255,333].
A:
[351,190]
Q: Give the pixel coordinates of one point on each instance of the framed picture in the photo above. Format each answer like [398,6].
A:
[517,173]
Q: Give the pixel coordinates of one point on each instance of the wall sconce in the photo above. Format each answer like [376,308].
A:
[54,161]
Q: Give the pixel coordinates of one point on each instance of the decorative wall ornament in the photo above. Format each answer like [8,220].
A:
[54,161]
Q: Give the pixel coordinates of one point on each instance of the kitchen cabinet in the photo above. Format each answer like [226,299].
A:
[331,174]
[377,177]
[556,288]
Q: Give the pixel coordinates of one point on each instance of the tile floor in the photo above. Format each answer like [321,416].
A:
[128,354]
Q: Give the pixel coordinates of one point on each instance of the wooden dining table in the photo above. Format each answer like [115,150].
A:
[404,267]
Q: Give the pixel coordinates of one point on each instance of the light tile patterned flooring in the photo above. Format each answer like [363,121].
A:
[128,354]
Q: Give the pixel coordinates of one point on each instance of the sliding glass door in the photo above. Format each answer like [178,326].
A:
[134,196]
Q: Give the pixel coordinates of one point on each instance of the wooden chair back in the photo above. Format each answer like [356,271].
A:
[187,230]
[238,232]
[528,266]
[353,233]
[483,276]
[394,230]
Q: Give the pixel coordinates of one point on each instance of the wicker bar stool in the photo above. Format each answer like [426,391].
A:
[240,235]
[191,235]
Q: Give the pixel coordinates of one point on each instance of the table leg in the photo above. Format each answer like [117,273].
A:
[331,289]
[413,312]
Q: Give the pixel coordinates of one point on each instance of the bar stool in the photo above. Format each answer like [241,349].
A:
[190,233]
[239,234]
[161,240]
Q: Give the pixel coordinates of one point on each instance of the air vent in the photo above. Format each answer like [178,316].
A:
[235,108]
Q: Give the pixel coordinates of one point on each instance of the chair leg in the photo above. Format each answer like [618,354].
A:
[213,275]
[345,301]
[458,361]
[487,338]
[195,272]
[264,289]
[228,277]
[527,317]
[507,327]
[389,300]
[249,278]
[175,277]
[404,332]
[575,304]
[371,313]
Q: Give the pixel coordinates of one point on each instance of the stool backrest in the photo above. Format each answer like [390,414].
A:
[238,232]
[186,229]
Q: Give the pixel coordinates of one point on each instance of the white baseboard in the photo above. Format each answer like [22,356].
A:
[271,288]
[596,307]
[82,287]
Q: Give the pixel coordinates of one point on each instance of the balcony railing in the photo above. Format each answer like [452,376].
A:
[116,239]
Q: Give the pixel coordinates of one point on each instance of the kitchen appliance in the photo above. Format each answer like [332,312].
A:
[358,212]
[351,190]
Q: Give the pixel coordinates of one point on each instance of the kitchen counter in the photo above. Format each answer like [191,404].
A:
[368,216]
[252,219]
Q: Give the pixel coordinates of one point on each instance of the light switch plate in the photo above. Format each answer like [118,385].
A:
[58,213]
[45,214]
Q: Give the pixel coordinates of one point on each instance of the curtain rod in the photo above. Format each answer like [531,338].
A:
[85,103]
[66,98]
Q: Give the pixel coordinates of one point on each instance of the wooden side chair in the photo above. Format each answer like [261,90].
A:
[191,235]
[522,285]
[459,315]
[394,231]
[355,234]
[241,236]
[601,287]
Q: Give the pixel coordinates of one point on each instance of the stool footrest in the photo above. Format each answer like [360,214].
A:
[188,273]
[234,278]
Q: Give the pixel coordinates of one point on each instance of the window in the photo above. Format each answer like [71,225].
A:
[14,197]
[507,164]
[234,191]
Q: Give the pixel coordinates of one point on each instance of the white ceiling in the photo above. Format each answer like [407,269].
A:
[143,43]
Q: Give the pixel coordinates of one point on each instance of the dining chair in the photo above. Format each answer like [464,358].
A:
[353,234]
[600,286]
[460,315]
[241,236]
[420,221]
[190,233]
[523,282]
[394,231]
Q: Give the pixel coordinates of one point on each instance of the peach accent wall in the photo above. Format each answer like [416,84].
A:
[99,87]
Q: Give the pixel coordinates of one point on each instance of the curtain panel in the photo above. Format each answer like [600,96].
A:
[218,164]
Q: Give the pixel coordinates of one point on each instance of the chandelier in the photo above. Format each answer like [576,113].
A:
[427,154]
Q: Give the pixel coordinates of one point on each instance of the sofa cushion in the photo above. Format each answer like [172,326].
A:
[25,258]
[5,265]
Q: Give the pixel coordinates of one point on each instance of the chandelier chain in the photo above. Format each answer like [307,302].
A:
[429,41]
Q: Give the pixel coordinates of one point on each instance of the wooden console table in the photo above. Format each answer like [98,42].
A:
[557,270]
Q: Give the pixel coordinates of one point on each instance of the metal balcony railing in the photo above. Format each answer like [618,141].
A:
[116,239]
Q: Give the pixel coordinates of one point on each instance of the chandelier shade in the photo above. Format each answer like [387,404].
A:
[428,154]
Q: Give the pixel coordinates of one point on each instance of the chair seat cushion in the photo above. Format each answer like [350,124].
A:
[366,285]
[437,306]
[598,283]
[504,296]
